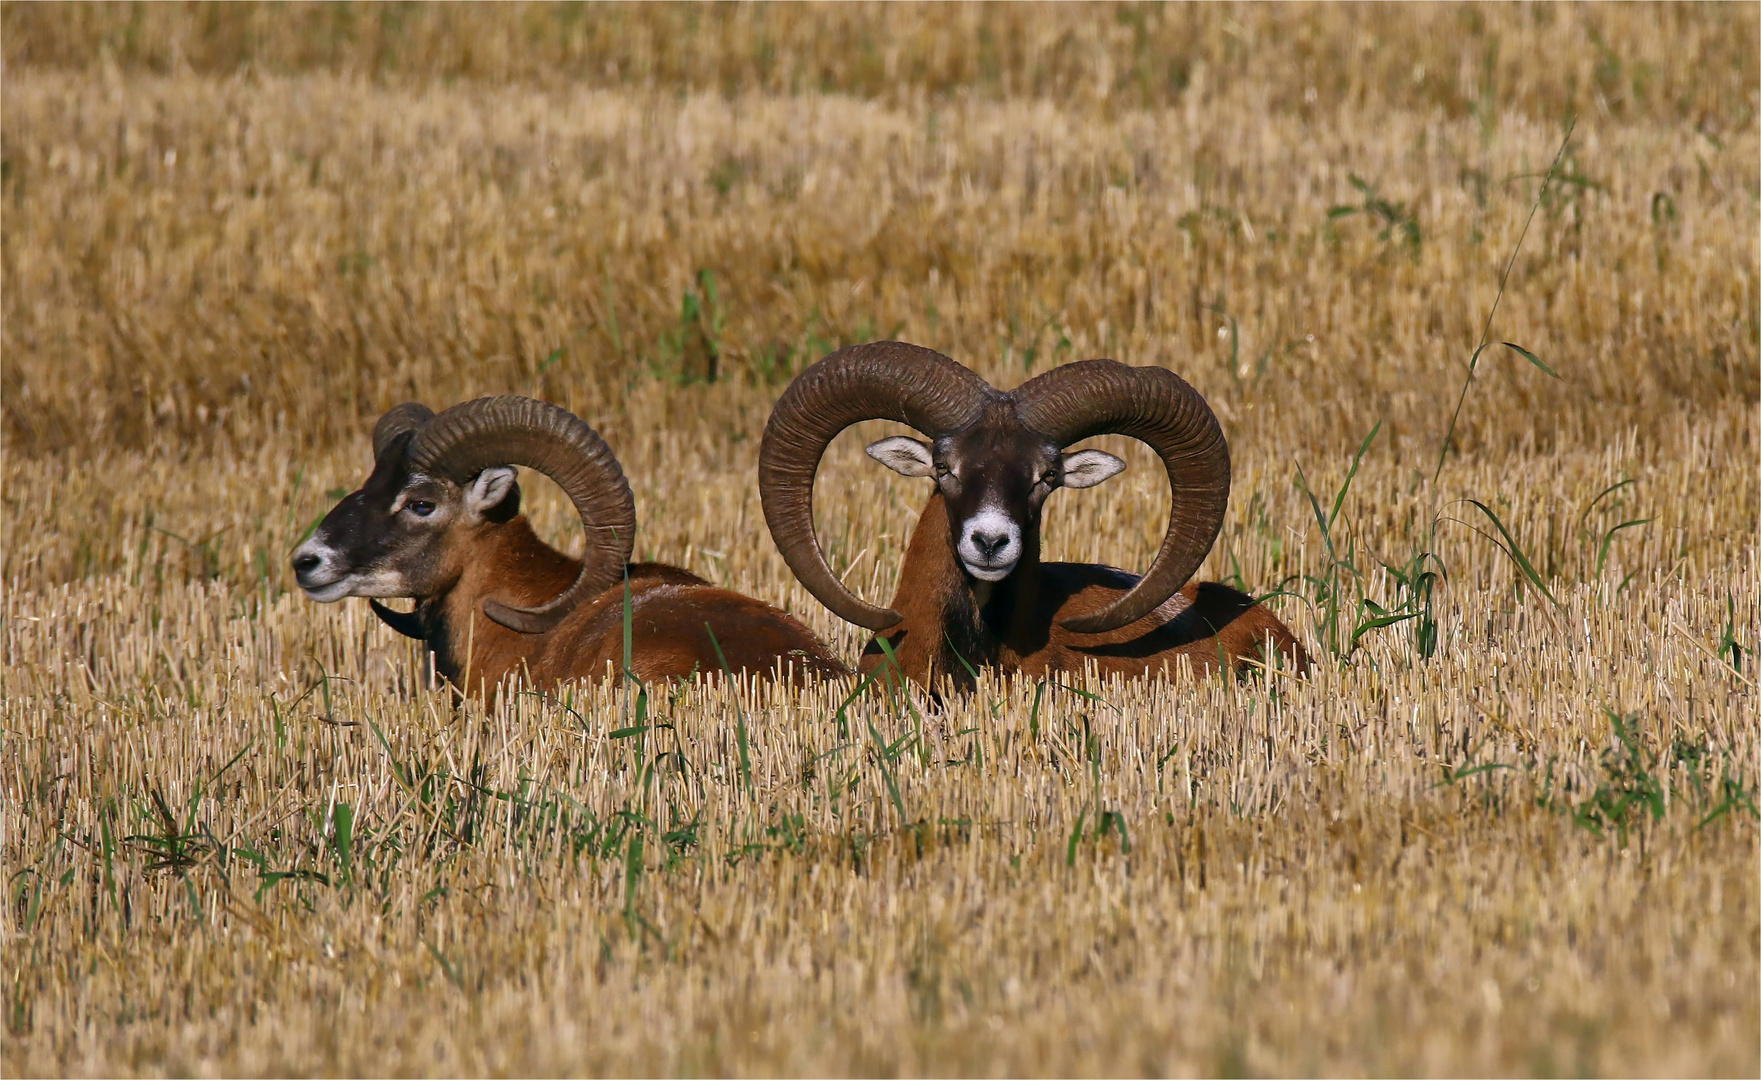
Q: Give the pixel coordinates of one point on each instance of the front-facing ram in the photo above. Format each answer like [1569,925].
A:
[439,521]
[973,591]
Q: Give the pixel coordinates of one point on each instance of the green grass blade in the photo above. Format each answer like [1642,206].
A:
[1351,474]
[970,670]
[343,830]
[1379,622]
[1531,358]
[1515,552]
[841,715]
[1503,280]
[1320,516]
[1600,495]
[903,693]
[886,767]
[452,974]
[1608,539]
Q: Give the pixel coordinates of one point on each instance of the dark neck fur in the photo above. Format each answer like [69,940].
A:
[944,621]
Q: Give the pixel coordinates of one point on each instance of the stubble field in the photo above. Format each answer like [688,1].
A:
[1507,826]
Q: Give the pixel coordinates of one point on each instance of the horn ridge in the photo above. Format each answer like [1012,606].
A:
[511,430]
[1159,408]
[398,421]
[882,380]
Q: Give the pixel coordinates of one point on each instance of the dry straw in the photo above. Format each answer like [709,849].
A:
[1507,826]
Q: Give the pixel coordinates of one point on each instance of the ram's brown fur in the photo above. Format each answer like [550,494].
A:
[669,608]
[439,520]
[1013,626]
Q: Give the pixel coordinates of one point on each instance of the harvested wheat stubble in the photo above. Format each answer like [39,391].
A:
[1514,833]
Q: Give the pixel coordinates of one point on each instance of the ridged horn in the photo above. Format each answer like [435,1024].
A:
[883,380]
[466,439]
[410,416]
[1157,407]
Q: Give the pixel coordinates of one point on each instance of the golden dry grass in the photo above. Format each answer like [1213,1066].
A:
[240,836]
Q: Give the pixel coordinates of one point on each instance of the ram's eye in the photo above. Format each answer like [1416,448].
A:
[1050,479]
[419,507]
[941,468]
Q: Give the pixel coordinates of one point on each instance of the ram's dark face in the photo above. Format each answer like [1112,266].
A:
[395,536]
[994,478]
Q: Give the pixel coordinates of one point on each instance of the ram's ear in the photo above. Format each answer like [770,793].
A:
[494,494]
[1086,468]
[907,457]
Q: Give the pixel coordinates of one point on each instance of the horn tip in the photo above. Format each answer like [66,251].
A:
[876,619]
[520,620]
[403,622]
[1100,622]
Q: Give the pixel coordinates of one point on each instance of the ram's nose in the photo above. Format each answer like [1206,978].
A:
[310,566]
[989,544]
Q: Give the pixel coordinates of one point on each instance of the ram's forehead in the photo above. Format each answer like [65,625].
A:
[392,477]
[1000,439]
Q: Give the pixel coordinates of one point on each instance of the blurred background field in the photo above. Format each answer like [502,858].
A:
[1514,832]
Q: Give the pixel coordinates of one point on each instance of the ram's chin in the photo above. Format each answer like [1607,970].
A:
[331,593]
[378,585]
[991,574]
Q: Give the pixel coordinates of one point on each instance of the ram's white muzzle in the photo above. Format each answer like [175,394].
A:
[316,569]
[990,545]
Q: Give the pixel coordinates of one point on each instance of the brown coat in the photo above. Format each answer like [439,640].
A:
[669,609]
[1013,625]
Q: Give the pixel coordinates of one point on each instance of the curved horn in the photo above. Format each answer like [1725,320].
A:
[1155,406]
[883,380]
[466,439]
[410,416]
[407,623]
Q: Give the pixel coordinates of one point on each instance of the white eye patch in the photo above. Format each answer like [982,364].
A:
[907,457]
[1086,468]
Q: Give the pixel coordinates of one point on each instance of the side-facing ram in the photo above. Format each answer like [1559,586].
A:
[973,592]
[439,520]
